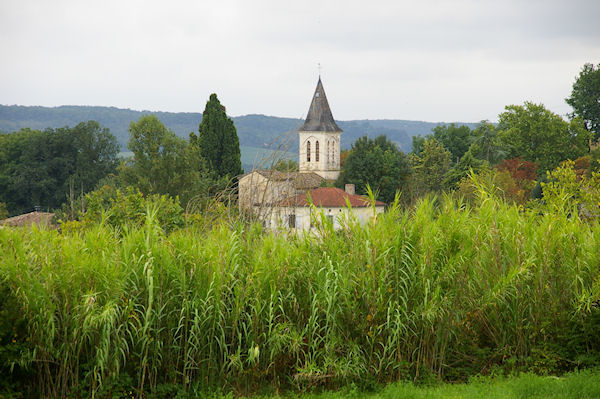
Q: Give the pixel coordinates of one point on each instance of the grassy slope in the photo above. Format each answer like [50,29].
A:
[582,385]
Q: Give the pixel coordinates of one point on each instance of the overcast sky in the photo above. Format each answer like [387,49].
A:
[418,60]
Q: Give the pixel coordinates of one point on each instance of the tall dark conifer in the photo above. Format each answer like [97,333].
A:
[218,140]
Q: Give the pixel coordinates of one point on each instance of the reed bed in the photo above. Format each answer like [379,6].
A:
[443,290]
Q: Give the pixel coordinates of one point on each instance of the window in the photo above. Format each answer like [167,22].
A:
[308,151]
[292,221]
[328,152]
[317,151]
[331,157]
[333,162]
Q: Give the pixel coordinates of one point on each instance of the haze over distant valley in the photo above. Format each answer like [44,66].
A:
[258,133]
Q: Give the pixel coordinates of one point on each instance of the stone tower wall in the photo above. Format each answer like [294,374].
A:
[327,164]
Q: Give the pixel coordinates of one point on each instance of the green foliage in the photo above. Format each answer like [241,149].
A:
[430,167]
[417,144]
[442,290]
[165,164]
[13,346]
[376,163]
[218,141]
[42,168]
[497,181]
[157,157]
[3,211]
[577,385]
[595,160]
[96,150]
[538,135]
[455,139]
[129,207]
[486,144]
[467,164]
[585,98]
[567,194]
[253,130]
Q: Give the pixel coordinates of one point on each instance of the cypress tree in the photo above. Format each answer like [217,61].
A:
[218,140]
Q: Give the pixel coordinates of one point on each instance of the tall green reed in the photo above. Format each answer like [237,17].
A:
[443,289]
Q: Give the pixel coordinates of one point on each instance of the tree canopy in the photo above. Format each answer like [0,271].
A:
[377,163]
[541,136]
[455,138]
[218,141]
[585,98]
[486,144]
[40,168]
[164,163]
[430,167]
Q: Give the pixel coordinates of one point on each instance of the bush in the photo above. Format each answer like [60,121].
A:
[118,208]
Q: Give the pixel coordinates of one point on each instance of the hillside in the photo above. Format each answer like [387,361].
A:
[256,132]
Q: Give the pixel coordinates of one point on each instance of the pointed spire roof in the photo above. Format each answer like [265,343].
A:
[319,117]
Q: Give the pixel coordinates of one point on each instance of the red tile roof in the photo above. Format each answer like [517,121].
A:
[39,218]
[328,197]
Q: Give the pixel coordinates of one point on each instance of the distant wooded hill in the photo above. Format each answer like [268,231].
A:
[259,134]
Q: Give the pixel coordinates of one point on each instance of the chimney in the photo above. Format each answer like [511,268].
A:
[349,189]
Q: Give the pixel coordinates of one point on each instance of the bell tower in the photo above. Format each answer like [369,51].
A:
[320,138]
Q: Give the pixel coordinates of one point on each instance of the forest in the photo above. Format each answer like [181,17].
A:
[257,133]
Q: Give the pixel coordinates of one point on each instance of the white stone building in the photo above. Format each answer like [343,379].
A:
[282,200]
[332,203]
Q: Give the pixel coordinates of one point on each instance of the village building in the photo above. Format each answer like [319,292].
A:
[36,218]
[283,200]
[320,139]
[331,203]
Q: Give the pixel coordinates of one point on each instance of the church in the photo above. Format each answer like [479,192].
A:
[283,199]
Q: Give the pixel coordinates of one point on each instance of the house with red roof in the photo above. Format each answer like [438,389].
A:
[293,199]
[305,211]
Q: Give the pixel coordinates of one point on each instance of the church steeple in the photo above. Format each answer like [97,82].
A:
[319,138]
[319,117]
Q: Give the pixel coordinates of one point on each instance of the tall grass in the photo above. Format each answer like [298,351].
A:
[441,290]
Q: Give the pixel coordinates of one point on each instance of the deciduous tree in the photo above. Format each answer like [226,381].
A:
[430,167]
[164,163]
[585,98]
[541,136]
[96,155]
[467,163]
[455,138]
[486,145]
[42,167]
[377,163]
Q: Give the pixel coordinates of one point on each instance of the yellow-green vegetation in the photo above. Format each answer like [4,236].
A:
[581,385]
[441,291]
